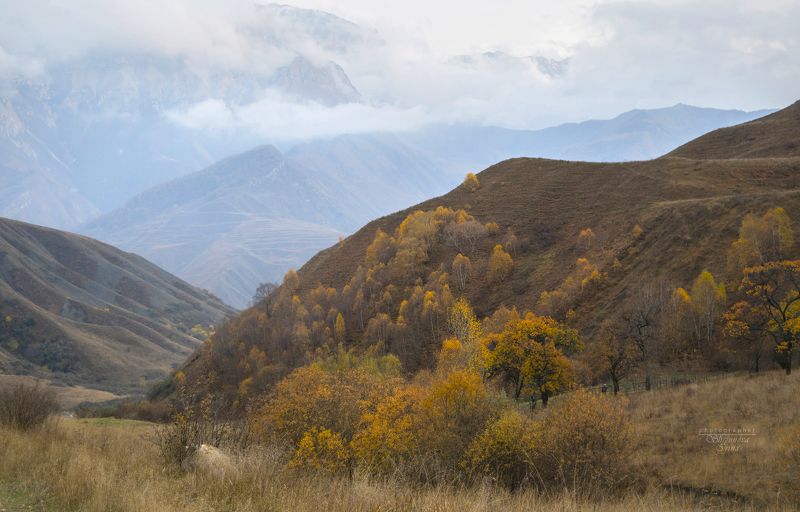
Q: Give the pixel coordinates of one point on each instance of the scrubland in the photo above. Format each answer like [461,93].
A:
[101,464]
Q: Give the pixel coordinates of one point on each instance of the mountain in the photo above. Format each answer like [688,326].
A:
[80,312]
[253,216]
[633,135]
[100,127]
[250,217]
[655,225]
[771,136]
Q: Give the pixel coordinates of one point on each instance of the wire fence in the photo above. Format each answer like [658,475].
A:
[661,381]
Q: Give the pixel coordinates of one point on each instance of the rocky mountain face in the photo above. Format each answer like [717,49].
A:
[78,311]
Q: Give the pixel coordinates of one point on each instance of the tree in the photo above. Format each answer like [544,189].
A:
[775,287]
[465,236]
[263,292]
[640,320]
[471,182]
[762,239]
[462,269]
[528,355]
[500,265]
[616,353]
[339,329]
[586,239]
[708,302]
[746,324]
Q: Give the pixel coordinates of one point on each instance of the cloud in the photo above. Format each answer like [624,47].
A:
[622,54]
[279,119]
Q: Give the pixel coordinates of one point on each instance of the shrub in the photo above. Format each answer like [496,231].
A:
[504,450]
[193,425]
[471,182]
[25,406]
[586,443]
[389,435]
[322,450]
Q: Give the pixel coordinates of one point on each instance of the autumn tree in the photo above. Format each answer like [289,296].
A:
[775,287]
[746,324]
[339,329]
[762,239]
[708,301]
[586,239]
[471,183]
[462,270]
[529,355]
[500,265]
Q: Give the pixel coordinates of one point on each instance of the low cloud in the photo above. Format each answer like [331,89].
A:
[401,56]
[279,119]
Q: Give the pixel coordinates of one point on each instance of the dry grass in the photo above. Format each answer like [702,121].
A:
[68,397]
[767,468]
[103,465]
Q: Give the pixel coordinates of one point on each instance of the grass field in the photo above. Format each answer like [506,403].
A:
[105,464]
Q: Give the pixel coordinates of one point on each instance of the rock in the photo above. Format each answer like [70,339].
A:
[211,461]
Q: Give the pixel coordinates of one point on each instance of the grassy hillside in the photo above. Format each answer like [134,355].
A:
[774,135]
[107,464]
[78,311]
[599,238]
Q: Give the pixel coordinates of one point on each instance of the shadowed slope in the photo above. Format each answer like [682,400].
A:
[82,312]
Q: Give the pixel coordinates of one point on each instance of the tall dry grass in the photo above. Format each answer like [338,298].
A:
[765,471]
[100,465]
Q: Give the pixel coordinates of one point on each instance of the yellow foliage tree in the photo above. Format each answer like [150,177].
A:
[762,239]
[528,355]
[462,270]
[471,182]
[339,329]
[500,265]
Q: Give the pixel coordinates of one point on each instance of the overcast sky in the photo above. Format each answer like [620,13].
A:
[622,54]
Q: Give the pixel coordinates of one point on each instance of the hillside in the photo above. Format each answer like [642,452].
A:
[655,226]
[77,311]
[772,136]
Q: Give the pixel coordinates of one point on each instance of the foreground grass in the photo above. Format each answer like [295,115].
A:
[100,465]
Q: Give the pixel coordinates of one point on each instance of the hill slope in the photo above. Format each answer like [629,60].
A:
[656,224]
[772,136]
[78,311]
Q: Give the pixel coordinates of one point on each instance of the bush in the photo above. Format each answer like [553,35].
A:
[322,450]
[504,451]
[25,406]
[586,443]
[194,425]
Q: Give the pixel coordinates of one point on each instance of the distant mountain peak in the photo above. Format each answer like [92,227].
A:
[327,84]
